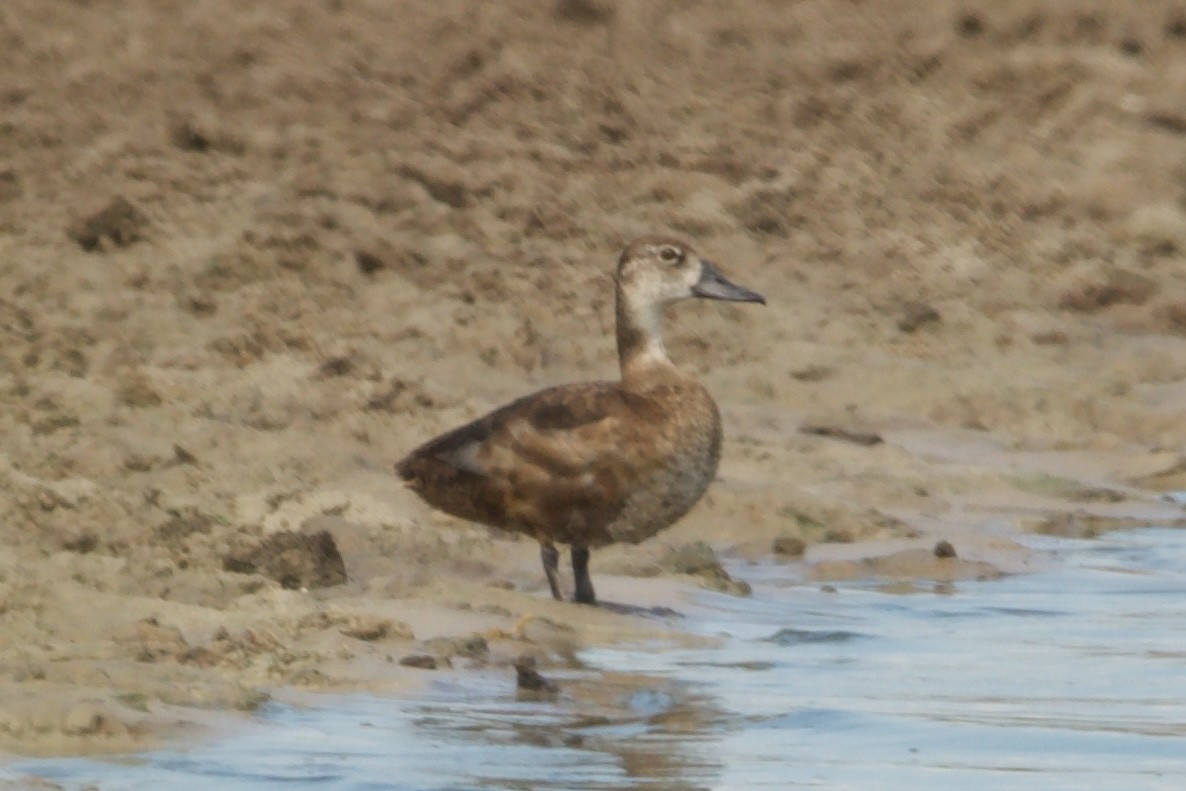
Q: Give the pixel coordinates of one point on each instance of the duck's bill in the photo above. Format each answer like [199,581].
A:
[714,285]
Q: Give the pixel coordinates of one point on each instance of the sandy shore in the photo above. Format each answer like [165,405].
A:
[248,258]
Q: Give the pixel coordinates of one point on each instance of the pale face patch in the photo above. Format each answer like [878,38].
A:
[659,272]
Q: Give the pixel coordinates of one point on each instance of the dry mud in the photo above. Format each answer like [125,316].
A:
[250,255]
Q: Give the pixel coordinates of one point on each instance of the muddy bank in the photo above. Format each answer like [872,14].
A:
[249,258]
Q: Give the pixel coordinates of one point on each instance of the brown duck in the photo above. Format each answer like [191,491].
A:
[600,462]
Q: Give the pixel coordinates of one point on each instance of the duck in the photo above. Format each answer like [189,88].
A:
[591,464]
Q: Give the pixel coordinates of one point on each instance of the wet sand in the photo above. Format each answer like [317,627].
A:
[249,258]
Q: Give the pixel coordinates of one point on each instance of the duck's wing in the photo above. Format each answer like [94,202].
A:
[538,462]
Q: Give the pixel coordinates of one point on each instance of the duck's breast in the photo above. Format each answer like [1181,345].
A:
[689,441]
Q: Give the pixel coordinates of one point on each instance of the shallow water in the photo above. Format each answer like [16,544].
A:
[1074,677]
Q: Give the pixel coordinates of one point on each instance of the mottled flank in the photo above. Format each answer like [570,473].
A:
[596,463]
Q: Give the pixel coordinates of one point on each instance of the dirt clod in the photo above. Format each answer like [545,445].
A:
[295,560]
[789,546]
[422,661]
[944,549]
[699,560]
[528,680]
[118,224]
[369,262]
[201,136]
[915,315]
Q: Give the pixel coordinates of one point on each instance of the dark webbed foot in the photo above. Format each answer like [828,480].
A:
[580,572]
[551,558]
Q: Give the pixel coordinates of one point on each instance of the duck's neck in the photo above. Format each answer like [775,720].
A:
[641,353]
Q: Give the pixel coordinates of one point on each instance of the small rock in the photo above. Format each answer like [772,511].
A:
[422,661]
[528,680]
[694,558]
[83,542]
[789,546]
[183,456]
[916,315]
[855,436]
[118,224]
[944,549]
[336,366]
[369,262]
[200,136]
[698,559]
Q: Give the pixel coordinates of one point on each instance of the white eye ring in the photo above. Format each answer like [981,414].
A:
[670,254]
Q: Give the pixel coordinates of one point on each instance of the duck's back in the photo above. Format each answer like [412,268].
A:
[587,464]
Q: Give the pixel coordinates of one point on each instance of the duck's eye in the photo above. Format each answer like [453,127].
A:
[671,255]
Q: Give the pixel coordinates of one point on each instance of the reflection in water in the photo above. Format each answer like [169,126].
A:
[1065,679]
[608,731]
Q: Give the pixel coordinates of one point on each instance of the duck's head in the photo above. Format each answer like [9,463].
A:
[657,270]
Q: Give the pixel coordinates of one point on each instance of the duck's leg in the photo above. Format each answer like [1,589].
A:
[551,558]
[580,572]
